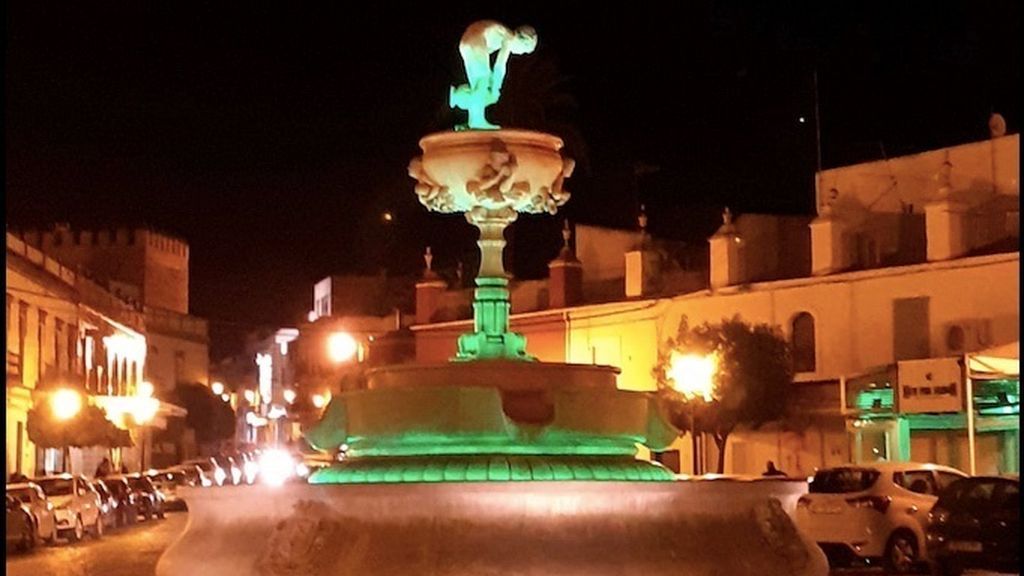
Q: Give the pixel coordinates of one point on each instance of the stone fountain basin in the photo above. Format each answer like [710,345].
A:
[477,529]
[453,159]
[462,408]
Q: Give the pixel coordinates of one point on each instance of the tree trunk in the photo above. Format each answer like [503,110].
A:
[720,441]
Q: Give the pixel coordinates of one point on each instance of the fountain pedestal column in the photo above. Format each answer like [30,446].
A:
[492,337]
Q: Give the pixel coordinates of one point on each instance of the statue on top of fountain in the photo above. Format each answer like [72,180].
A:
[482,39]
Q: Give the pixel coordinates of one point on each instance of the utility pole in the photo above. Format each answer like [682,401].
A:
[817,140]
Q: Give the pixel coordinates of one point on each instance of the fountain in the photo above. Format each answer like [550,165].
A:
[493,463]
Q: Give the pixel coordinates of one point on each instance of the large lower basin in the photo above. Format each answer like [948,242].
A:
[477,529]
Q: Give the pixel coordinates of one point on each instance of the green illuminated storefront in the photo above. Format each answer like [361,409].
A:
[917,411]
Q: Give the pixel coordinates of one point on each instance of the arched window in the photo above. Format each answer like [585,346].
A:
[804,353]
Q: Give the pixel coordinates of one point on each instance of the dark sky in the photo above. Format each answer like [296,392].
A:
[272,137]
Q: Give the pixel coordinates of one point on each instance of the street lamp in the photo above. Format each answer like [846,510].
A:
[217,388]
[341,347]
[321,400]
[693,376]
[289,396]
[65,403]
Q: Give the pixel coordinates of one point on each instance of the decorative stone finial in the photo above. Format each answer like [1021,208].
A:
[943,177]
[566,234]
[480,40]
[996,125]
[727,217]
[642,218]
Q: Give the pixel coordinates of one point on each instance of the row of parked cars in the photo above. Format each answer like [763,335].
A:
[70,505]
[912,517]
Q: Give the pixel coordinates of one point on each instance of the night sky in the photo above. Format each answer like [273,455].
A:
[273,138]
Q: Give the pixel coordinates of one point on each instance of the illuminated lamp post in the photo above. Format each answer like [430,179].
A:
[341,347]
[65,404]
[693,376]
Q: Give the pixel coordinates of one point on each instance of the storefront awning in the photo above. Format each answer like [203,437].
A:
[999,362]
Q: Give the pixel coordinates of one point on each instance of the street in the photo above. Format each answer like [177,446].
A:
[131,551]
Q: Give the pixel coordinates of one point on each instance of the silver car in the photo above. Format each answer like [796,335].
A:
[33,498]
[77,505]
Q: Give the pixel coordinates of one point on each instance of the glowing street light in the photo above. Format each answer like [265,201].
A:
[65,403]
[217,388]
[289,396]
[320,400]
[250,396]
[693,375]
[341,347]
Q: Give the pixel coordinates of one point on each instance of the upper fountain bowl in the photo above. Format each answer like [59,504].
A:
[493,170]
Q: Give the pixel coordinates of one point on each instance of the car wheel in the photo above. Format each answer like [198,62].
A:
[28,540]
[97,530]
[78,531]
[901,555]
[52,538]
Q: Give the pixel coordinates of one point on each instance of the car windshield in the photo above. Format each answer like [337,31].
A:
[23,494]
[56,486]
[843,480]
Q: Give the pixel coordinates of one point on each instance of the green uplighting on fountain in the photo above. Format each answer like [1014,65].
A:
[493,413]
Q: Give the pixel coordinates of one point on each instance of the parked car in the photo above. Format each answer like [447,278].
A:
[76,505]
[976,524]
[195,475]
[126,509]
[32,497]
[21,529]
[149,500]
[210,468]
[873,511]
[233,469]
[108,504]
[168,482]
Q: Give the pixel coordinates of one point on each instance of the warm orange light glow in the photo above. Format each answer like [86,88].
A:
[145,389]
[250,396]
[217,388]
[341,347]
[321,400]
[693,375]
[65,404]
[289,396]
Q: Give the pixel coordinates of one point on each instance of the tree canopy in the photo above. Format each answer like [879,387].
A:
[751,383]
[90,427]
[212,419]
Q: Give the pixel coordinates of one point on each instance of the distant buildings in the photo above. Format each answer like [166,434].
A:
[910,265]
[285,377]
[65,329]
[109,310]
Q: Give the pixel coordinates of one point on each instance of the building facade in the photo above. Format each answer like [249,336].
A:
[64,329]
[910,266]
[148,268]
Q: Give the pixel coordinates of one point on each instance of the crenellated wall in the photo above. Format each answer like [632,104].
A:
[134,262]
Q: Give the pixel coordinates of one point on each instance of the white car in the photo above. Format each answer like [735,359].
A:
[76,505]
[33,498]
[873,512]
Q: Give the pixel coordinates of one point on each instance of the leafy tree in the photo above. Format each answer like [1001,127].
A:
[212,419]
[751,385]
[90,427]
